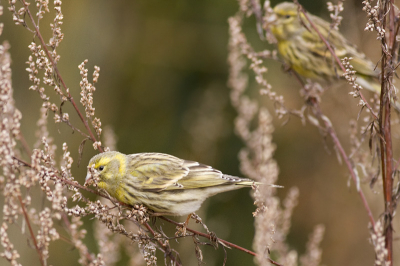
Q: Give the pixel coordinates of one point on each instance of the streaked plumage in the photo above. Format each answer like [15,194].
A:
[305,52]
[163,183]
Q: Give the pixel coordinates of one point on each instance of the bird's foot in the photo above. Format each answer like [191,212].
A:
[181,229]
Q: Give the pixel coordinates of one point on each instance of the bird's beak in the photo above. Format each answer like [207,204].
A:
[89,174]
[270,20]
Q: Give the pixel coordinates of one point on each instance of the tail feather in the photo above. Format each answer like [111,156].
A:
[375,87]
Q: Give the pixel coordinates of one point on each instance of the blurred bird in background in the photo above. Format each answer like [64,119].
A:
[305,52]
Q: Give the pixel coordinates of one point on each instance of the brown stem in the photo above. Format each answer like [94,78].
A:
[64,216]
[69,182]
[92,137]
[346,159]
[30,230]
[224,242]
[167,251]
[329,126]
[66,181]
[385,127]
[25,144]
[342,152]
[26,217]
[388,183]
[68,225]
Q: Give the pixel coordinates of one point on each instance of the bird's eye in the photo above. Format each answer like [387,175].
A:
[101,168]
[287,16]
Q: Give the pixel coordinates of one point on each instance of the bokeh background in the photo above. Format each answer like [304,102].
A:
[162,88]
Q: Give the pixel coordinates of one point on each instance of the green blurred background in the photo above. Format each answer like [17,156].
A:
[162,88]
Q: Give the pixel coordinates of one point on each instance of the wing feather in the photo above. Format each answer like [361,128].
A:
[342,47]
[201,175]
[157,171]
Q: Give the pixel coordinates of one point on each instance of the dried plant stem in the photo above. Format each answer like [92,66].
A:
[385,128]
[329,127]
[30,230]
[70,98]
[332,133]
[166,250]
[387,167]
[336,141]
[68,225]
[25,145]
[387,175]
[224,242]
[388,55]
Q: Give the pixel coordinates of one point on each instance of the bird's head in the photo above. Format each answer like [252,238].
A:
[284,22]
[109,167]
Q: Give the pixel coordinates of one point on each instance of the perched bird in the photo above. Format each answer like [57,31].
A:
[163,183]
[305,52]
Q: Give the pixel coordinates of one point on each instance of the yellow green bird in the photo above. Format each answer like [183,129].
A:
[305,52]
[163,183]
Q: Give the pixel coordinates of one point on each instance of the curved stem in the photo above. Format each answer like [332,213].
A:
[329,127]
[30,230]
[346,159]
[223,242]
[70,98]
[166,250]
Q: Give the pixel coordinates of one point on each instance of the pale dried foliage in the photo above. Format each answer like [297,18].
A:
[272,218]
[56,179]
[119,227]
[111,244]
[336,18]
[378,241]
[10,123]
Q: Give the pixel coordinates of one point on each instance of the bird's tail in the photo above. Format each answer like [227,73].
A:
[375,87]
[246,182]
[249,182]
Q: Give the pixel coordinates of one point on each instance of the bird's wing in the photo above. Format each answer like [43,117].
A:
[155,171]
[342,47]
[363,66]
[201,175]
[314,41]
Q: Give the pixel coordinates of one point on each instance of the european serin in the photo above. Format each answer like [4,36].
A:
[163,183]
[305,52]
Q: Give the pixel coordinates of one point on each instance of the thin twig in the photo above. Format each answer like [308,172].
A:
[167,251]
[30,230]
[75,184]
[224,242]
[25,144]
[385,128]
[342,152]
[329,127]
[332,133]
[70,98]
[68,225]
[28,151]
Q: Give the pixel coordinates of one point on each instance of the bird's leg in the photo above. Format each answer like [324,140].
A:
[185,224]
[182,227]
[286,67]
